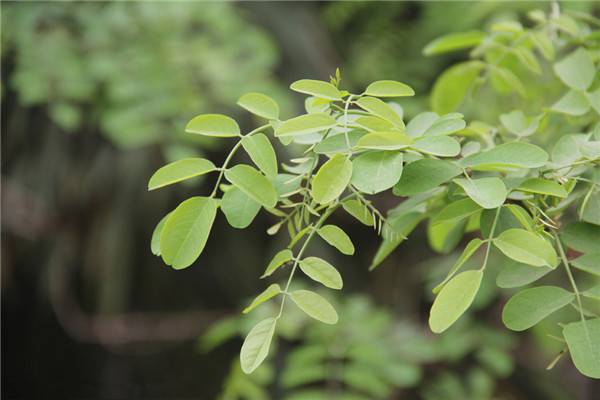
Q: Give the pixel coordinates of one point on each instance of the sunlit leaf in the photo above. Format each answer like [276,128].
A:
[487,192]
[277,261]
[423,175]
[526,247]
[217,125]
[332,179]
[305,124]
[259,104]
[253,184]
[336,237]
[380,109]
[321,271]
[239,209]
[376,171]
[155,242]
[530,306]
[389,89]
[261,152]
[256,345]
[179,171]
[270,292]
[315,306]
[324,90]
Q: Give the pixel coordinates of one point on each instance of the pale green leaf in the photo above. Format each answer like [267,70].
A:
[528,307]
[487,192]
[332,179]
[179,171]
[261,152]
[384,141]
[217,125]
[588,263]
[315,306]
[421,123]
[321,271]
[337,143]
[155,241]
[389,89]
[456,211]
[446,125]
[277,261]
[516,274]
[582,236]
[592,293]
[573,103]
[453,42]
[358,210]
[467,253]
[543,186]
[454,299]
[253,184]
[518,123]
[305,124]
[380,109]
[374,124]
[239,209]
[376,171]
[186,231]
[543,43]
[259,104]
[423,175]
[452,87]
[526,247]
[505,81]
[270,292]
[576,70]
[527,59]
[583,339]
[256,345]
[511,155]
[441,146]
[321,89]
[336,237]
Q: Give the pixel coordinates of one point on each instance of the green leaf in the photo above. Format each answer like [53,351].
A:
[456,211]
[321,271]
[179,171]
[259,104]
[239,209]
[453,42]
[528,307]
[358,210]
[511,155]
[446,125]
[543,186]
[454,299]
[582,236]
[467,253]
[583,340]
[186,231]
[315,306]
[373,124]
[576,70]
[401,227]
[527,59]
[336,237]
[277,261]
[423,175]
[516,122]
[389,89]
[421,123]
[253,184]
[444,237]
[543,44]
[588,263]
[452,87]
[505,81]
[321,89]
[261,152]
[592,293]
[487,192]
[526,247]
[442,146]
[590,210]
[331,179]
[217,125]
[516,274]
[155,241]
[256,345]
[337,143]
[376,171]
[305,124]
[384,141]
[270,292]
[573,103]
[380,109]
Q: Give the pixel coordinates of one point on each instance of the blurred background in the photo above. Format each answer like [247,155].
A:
[95,97]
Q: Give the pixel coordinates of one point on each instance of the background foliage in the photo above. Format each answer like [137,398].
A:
[123,78]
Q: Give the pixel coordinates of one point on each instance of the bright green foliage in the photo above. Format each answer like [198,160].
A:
[454,299]
[186,231]
[488,182]
[530,306]
[270,292]
[336,237]
[156,234]
[179,171]
[583,339]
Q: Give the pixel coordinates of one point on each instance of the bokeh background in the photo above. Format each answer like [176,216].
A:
[95,96]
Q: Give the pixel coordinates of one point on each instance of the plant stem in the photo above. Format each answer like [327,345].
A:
[565,262]
[489,243]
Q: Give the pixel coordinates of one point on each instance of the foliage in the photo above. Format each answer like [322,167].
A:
[515,196]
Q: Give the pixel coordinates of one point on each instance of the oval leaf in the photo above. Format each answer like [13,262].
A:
[315,306]
[423,175]
[331,179]
[526,247]
[256,345]
[507,156]
[253,184]
[576,70]
[516,274]
[530,306]
[442,146]
[186,231]
[467,253]
[543,186]
[452,87]
[487,192]
[270,292]
[239,209]
[321,89]
[389,89]
[179,171]
[259,104]
[155,241]
[261,152]
[456,211]
[588,263]
[305,124]
[454,299]
[336,237]
[277,261]
[384,141]
[213,125]
[583,340]
[453,42]
[376,171]
[321,271]
[358,210]
[380,109]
